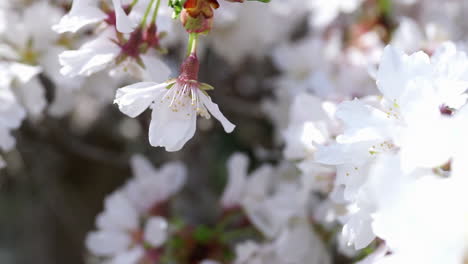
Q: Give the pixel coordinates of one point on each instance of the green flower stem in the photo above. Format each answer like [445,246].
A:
[134,2]
[155,13]
[148,9]
[192,44]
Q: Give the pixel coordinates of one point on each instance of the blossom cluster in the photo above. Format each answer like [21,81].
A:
[133,226]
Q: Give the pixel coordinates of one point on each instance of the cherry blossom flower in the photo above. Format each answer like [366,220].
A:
[408,117]
[150,185]
[118,235]
[175,105]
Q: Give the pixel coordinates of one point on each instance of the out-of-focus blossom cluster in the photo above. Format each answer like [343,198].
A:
[367,105]
[134,226]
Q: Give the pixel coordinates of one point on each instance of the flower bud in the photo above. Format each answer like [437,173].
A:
[197,15]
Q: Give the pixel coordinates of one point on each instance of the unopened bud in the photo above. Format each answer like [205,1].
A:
[197,15]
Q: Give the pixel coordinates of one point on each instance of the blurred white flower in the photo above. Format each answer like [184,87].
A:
[232,38]
[126,228]
[250,252]
[27,47]
[82,13]
[22,81]
[151,186]
[413,87]
[325,11]
[296,244]
[116,225]
[310,125]
[269,196]
[156,231]
[237,166]
[92,57]
[404,122]
[11,116]
[436,231]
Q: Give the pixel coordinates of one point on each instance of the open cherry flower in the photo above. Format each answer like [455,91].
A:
[175,104]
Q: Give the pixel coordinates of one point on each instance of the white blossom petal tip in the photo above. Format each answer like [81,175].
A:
[80,15]
[136,98]
[123,21]
[156,231]
[214,110]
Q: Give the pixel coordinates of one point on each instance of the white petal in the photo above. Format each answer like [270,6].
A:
[426,144]
[107,243]
[155,69]
[7,141]
[24,73]
[171,129]
[363,122]
[8,52]
[136,98]
[237,172]
[174,175]
[119,214]
[214,110]
[11,116]
[300,244]
[246,250]
[351,153]
[80,15]
[32,96]
[132,256]
[151,186]
[91,57]
[358,230]
[397,68]
[142,167]
[257,185]
[11,112]
[124,23]
[49,60]
[156,231]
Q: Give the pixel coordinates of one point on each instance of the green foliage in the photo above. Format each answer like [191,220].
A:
[385,6]
[203,234]
[177,5]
